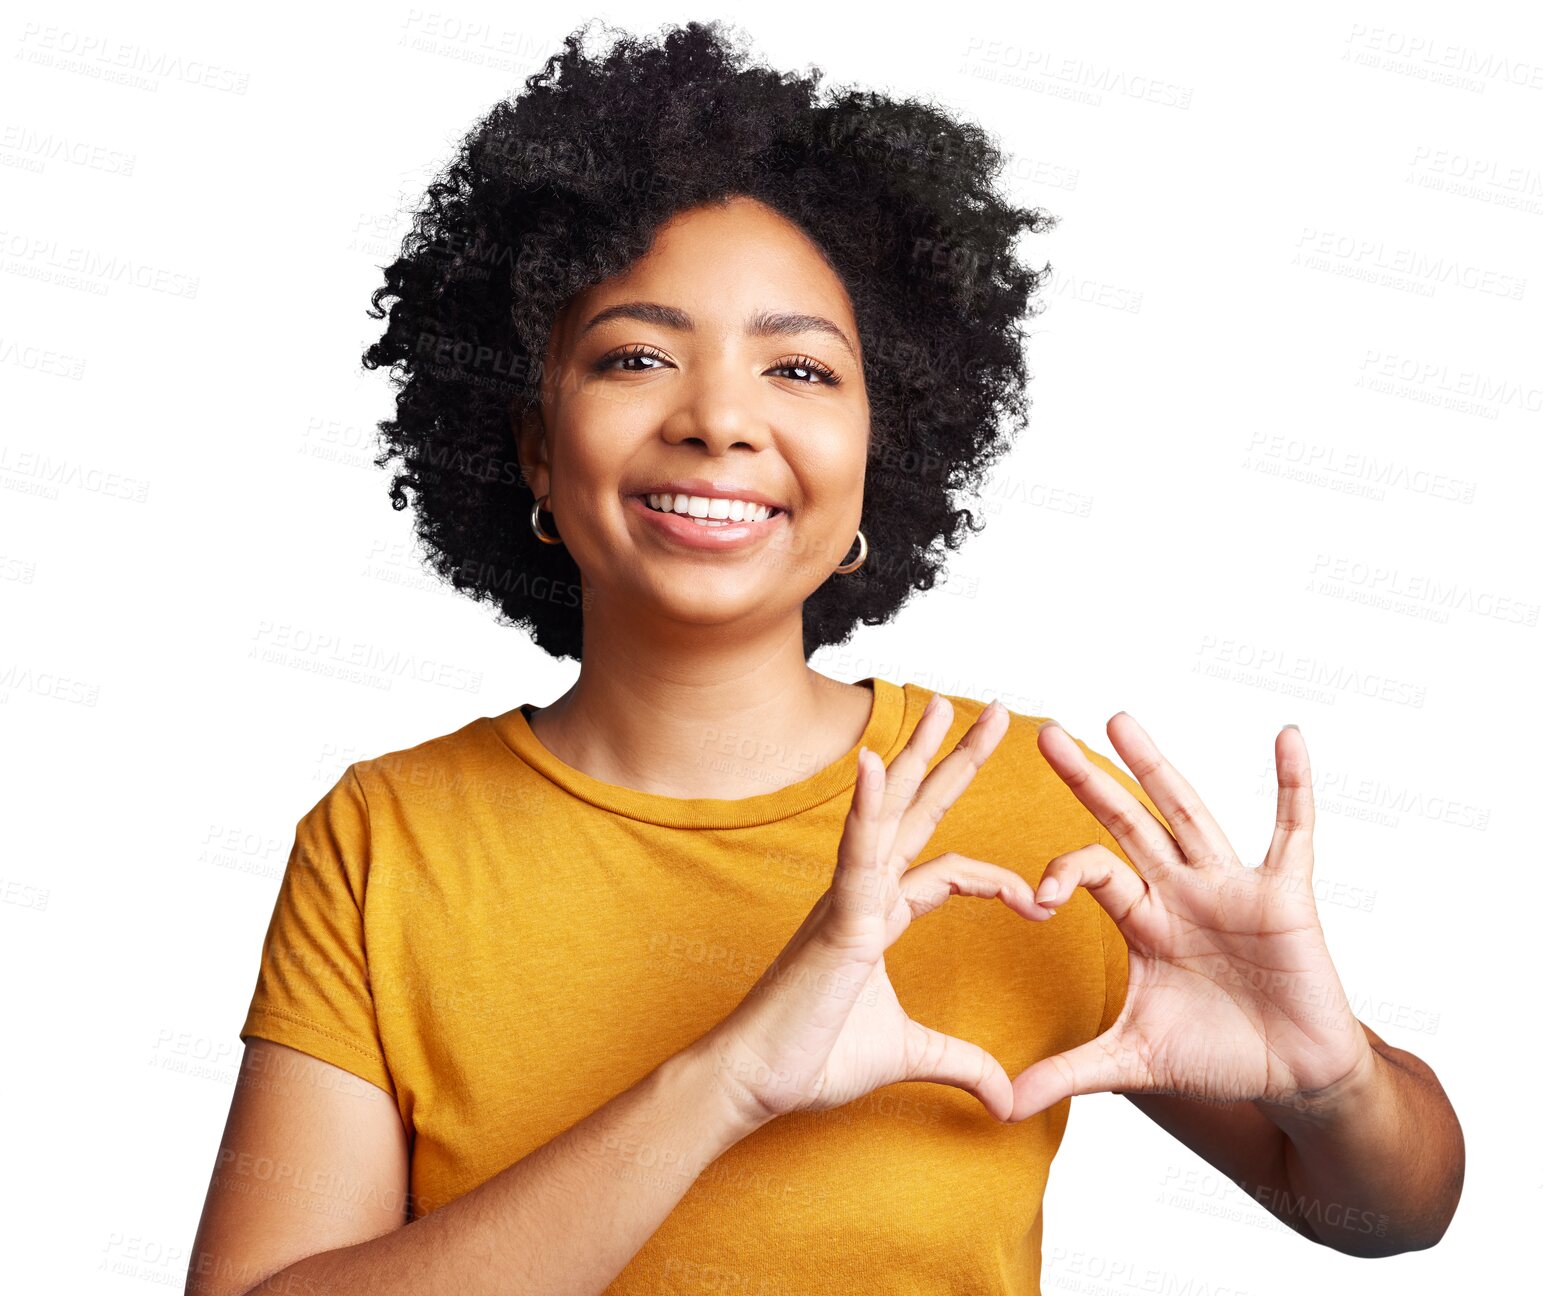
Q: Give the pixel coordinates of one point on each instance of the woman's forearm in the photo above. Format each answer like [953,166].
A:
[1378,1169]
[564,1219]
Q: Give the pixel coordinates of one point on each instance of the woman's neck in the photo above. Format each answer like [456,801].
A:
[725,729]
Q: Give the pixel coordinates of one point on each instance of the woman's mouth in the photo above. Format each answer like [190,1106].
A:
[709,510]
[705,522]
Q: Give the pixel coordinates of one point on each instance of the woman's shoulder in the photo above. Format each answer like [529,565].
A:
[1025,714]
[432,760]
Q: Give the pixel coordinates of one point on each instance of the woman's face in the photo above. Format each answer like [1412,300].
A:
[663,376]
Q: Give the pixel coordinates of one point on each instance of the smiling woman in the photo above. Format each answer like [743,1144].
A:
[611,994]
[649,234]
[729,384]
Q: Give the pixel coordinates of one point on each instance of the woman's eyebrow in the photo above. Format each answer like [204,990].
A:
[762,324]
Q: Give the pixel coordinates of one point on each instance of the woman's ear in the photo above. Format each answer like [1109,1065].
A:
[530,445]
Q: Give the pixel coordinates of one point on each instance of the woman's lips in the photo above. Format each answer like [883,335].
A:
[680,528]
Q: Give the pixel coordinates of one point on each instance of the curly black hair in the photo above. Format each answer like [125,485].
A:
[566,184]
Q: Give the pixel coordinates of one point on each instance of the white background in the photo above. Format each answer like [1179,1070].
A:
[1282,467]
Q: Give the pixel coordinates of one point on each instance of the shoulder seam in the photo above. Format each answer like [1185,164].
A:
[366,880]
[369,843]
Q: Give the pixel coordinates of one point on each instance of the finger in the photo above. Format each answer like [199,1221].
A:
[1294,813]
[1103,874]
[1131,824]
[945,783]
[1102,1065]
[855,889]
[943,1059]
[1199,835]
[928,885]
[905,773]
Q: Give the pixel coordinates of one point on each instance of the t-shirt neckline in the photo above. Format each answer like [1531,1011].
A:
[886,722]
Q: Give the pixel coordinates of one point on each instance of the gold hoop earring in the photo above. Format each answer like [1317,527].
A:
[535,523]
[862,555]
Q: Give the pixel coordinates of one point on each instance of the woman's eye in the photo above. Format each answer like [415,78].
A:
[815,371]
[802,369]
[618,360]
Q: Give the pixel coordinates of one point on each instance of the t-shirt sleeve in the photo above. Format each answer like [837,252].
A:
[313,982]
[1116,951]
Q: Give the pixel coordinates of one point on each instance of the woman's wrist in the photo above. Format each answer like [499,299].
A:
[707,1075]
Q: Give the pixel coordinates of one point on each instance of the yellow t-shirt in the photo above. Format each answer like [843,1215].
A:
[503,943]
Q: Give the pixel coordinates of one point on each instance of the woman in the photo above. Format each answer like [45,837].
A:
[607,995]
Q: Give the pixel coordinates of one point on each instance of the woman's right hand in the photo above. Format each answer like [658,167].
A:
[822,1026]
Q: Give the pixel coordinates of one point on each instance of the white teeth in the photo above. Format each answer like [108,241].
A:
[709,510]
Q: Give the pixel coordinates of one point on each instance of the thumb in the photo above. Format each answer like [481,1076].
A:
[944,1059]
[1103,1064]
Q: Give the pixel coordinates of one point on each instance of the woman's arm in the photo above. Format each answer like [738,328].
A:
[564,1219]
[1373,1170]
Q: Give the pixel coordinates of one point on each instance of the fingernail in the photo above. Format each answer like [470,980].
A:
[1048,890]
[932,705]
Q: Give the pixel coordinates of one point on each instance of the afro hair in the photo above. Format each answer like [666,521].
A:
[566,184]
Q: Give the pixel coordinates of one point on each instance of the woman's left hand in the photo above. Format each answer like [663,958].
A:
[1232,994]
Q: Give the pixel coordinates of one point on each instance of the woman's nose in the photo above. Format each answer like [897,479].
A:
[719,409]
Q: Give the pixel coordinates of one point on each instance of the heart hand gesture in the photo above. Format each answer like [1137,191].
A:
[822,1026]
[1232,993]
